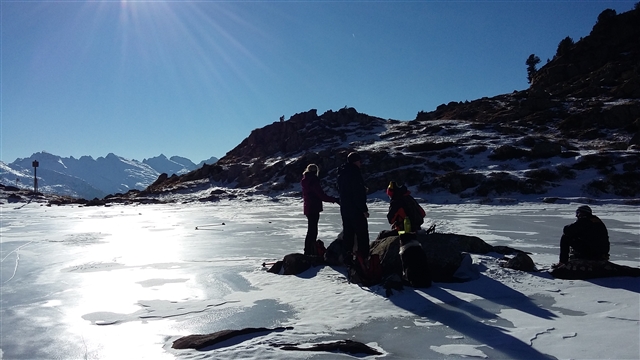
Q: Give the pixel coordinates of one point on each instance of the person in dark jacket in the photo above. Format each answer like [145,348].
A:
[587,238]
[313,196]
[353,205]
[402,205]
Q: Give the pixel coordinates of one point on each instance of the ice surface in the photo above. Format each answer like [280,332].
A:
[126,281]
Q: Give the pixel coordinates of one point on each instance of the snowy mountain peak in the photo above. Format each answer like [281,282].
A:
[88,178]
[169,166]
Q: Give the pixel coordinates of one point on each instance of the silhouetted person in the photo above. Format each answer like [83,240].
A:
[353,206]
[587,238]
[402,205]
[313,196]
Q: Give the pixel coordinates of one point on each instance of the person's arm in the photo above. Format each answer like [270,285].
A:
[600,237]
[361,190]
[393,211]
[570,230]
[317,189]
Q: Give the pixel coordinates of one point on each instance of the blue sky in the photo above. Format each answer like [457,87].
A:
[194,78]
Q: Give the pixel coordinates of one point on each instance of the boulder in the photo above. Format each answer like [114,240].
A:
[336,252]
[445,253]
[546,149]
[520,262]
[447,257]
[294,264]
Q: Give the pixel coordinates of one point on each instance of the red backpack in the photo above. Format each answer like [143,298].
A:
[367,275]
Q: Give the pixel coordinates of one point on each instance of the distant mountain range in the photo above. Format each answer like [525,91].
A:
[90,178]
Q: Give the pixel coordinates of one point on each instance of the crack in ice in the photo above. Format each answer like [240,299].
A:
[15,269]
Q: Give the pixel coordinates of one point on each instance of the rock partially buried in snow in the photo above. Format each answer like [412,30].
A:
[202,342]
[347,346]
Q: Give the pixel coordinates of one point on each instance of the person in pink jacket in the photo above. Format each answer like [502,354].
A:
[313,196]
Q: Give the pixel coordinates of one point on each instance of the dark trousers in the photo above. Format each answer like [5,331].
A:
[575,249]
[312,234]
[356,228]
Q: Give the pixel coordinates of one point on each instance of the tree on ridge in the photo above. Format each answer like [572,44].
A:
[531,63]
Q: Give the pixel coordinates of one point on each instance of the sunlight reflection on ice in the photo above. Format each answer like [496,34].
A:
[123,282]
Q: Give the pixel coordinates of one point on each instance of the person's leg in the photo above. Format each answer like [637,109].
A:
[362,234]
[565,245]
[348,234]
[312,234]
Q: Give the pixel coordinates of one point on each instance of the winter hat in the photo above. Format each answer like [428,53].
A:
[584,209]
[353,157]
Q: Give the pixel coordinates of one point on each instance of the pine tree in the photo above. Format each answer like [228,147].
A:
[564,46]
[531,63]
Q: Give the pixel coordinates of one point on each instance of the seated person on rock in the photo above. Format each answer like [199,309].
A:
[401,206]
[585,239]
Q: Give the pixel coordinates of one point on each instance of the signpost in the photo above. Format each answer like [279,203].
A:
[35,176]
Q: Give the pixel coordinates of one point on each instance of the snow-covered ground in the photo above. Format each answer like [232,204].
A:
[124,282]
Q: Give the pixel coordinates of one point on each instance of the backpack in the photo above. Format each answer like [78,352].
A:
[415,212]
[320,249]
[367,275]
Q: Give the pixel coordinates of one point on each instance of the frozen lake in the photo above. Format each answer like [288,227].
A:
[126,281]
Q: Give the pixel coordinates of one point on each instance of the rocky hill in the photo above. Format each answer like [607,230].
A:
[589,87]
[575,132]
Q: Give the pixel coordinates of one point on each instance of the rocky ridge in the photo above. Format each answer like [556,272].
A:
[575,132]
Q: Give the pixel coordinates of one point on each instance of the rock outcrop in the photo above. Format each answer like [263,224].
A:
[445,253]
[586,98]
